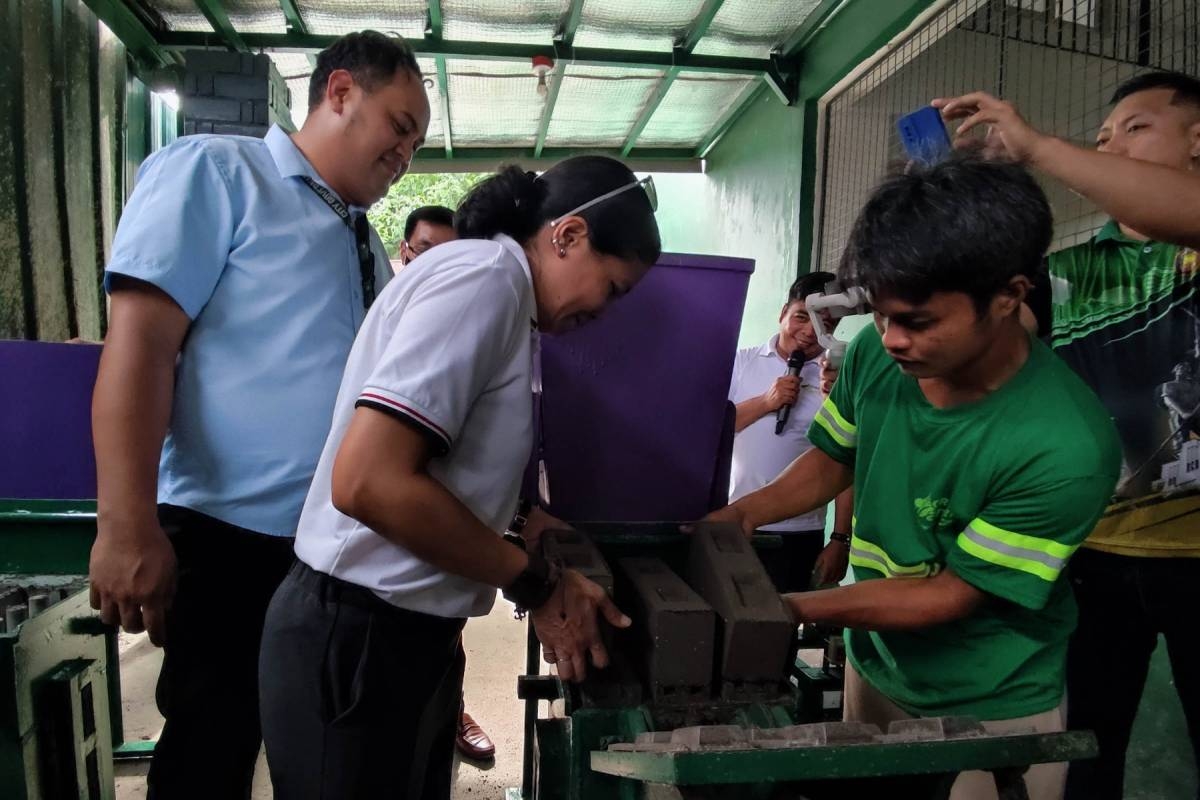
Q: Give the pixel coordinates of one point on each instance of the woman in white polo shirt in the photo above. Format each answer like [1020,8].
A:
[399,541]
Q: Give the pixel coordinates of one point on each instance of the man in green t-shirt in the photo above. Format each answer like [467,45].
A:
[1124,315]
[979,463]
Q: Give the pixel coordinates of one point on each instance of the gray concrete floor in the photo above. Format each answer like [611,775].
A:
[495,647]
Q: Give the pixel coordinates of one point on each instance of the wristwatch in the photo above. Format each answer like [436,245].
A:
[521,517]
[844,538]
[533,587]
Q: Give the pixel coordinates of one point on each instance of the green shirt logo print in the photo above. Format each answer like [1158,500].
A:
[934,514]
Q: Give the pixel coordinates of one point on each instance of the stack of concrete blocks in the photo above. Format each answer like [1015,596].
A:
[756,638]
[233,93]
[674,627]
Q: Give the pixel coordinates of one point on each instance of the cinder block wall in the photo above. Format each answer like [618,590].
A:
[233,93]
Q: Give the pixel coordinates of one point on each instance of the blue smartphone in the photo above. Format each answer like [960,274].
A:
[923,135]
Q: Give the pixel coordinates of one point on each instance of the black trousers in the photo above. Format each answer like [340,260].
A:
[360,699]
[1125,602]
[208,687]
[791,565]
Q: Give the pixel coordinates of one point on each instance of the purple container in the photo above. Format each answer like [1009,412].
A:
[635,403]
[46,420]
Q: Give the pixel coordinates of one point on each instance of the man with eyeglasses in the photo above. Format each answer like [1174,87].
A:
[426,227]
[1123,314]
[241,270]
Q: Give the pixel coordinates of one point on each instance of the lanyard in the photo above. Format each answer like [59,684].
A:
[358,225]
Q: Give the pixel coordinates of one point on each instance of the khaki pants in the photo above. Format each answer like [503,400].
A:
[864,703]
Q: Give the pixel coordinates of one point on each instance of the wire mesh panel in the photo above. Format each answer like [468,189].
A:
[597,106]
[405,17]
[636,24]
[692,103]
[1058,61]
[752,29]
[513,21]
[493,103]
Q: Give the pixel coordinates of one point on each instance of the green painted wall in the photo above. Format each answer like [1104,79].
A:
[747,205]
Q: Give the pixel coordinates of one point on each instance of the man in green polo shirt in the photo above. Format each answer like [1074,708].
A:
[1125,317]
[979,463]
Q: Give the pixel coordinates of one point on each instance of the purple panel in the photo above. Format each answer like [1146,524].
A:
[634,403]
[46,420]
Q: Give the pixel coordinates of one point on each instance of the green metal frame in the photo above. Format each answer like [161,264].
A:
[216,15]
[139,40]
[433,28]
[431,47]
[848,33]
[847,761]
[683,48]
[291,12]
[564,37]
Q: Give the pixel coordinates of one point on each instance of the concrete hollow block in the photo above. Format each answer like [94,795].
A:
[676,628]
[757,635]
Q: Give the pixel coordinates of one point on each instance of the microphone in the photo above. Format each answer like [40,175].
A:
[794,363]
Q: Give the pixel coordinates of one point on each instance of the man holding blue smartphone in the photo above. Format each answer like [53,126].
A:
[1122,310]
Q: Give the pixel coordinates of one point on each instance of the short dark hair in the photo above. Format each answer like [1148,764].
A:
[963,225]
[808,284]
[369,56]
[518,203]
[434,215]
[1186,87]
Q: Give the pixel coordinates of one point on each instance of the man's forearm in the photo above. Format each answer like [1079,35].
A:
[749,412]
[809,482]
[843,511]
[889,604]
[131,409]
[1157,201]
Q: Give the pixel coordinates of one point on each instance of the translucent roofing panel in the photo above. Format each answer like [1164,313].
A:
[246,16]
[597,106]
[493,103]
[405,17]
[182,15]
[511,21]
[692,106]
[635,24]
[255,16]
[751,28]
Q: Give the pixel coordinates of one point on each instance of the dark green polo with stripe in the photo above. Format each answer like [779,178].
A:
[1001,491]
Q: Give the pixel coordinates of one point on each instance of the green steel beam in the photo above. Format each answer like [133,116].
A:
[444,92]
[564,37]
[140,41]
[684,47]
[700,25]
[664,86]
[295,22]
[433,19]
[730,117]
[685,154]
[431,47]
[215,13]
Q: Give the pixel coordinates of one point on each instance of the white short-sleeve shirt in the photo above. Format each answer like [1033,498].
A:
[447,347]
[759,456]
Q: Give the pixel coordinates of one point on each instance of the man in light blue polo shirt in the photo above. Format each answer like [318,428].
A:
[241,271]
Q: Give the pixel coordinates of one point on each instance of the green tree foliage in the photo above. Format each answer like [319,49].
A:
[412,192]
